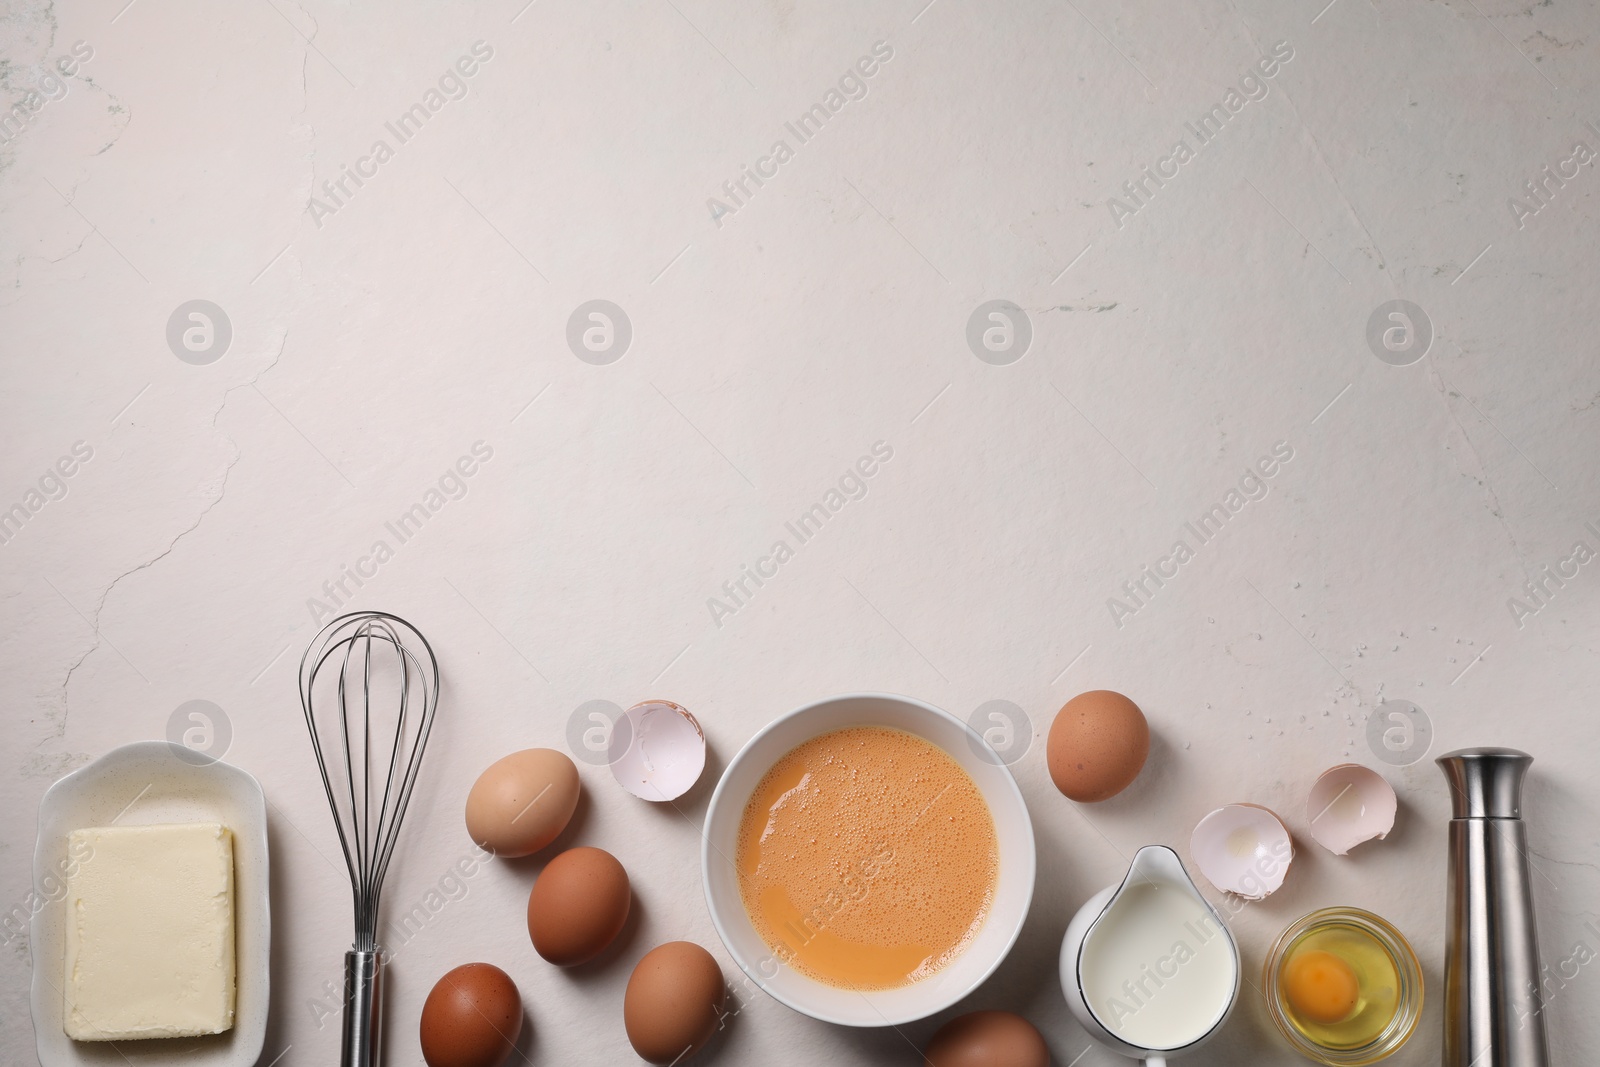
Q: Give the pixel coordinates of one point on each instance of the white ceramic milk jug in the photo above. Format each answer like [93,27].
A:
[1147,966]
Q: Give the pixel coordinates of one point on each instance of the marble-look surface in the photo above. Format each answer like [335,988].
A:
[381,330]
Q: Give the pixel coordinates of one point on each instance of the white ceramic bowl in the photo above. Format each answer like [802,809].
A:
[885,1007]
[137,784]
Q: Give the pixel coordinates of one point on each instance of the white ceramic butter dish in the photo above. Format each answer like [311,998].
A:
[141,784]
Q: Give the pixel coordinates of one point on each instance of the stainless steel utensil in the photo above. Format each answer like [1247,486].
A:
[377,656]
[1493,1007]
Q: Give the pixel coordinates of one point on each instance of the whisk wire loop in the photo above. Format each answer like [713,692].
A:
[367,820]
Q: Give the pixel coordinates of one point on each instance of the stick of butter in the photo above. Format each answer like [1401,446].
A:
[150,932]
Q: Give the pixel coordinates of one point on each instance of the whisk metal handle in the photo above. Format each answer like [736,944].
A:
[363,1009]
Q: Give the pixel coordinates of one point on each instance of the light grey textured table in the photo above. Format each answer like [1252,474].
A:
[390,310]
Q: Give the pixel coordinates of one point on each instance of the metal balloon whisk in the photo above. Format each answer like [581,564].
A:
[375,675]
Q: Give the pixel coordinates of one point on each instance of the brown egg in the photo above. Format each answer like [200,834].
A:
[472,1018]
[523,802]
[673,1003]
[987,1039]
[1097,745]
[578,906]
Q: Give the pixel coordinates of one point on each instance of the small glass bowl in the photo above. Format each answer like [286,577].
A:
[1407,1012]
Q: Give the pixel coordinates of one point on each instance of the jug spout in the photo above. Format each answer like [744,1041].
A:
[1158,863]
[1493,1003]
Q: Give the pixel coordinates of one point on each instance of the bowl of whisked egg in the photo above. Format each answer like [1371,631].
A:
[868,859]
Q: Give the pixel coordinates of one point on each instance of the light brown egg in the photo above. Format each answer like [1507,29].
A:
[472,1018]
[522,802]
[673,1003]
[987,1039]
[578,906]
[1097,745]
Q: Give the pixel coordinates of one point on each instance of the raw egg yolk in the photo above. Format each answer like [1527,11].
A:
[1321,987]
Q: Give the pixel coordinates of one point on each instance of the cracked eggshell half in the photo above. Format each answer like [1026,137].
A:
[1350,804]
[657,750]
[1243,849]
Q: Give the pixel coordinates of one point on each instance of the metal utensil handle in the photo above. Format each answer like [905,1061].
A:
[363,1009]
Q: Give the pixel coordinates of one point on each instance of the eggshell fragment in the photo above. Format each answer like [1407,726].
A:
[1350,804]
[987,1039]
[1243,849]
[1097,745]
[658,752]
[673,1003]
[472,1018]
[522,803]
[578,906]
